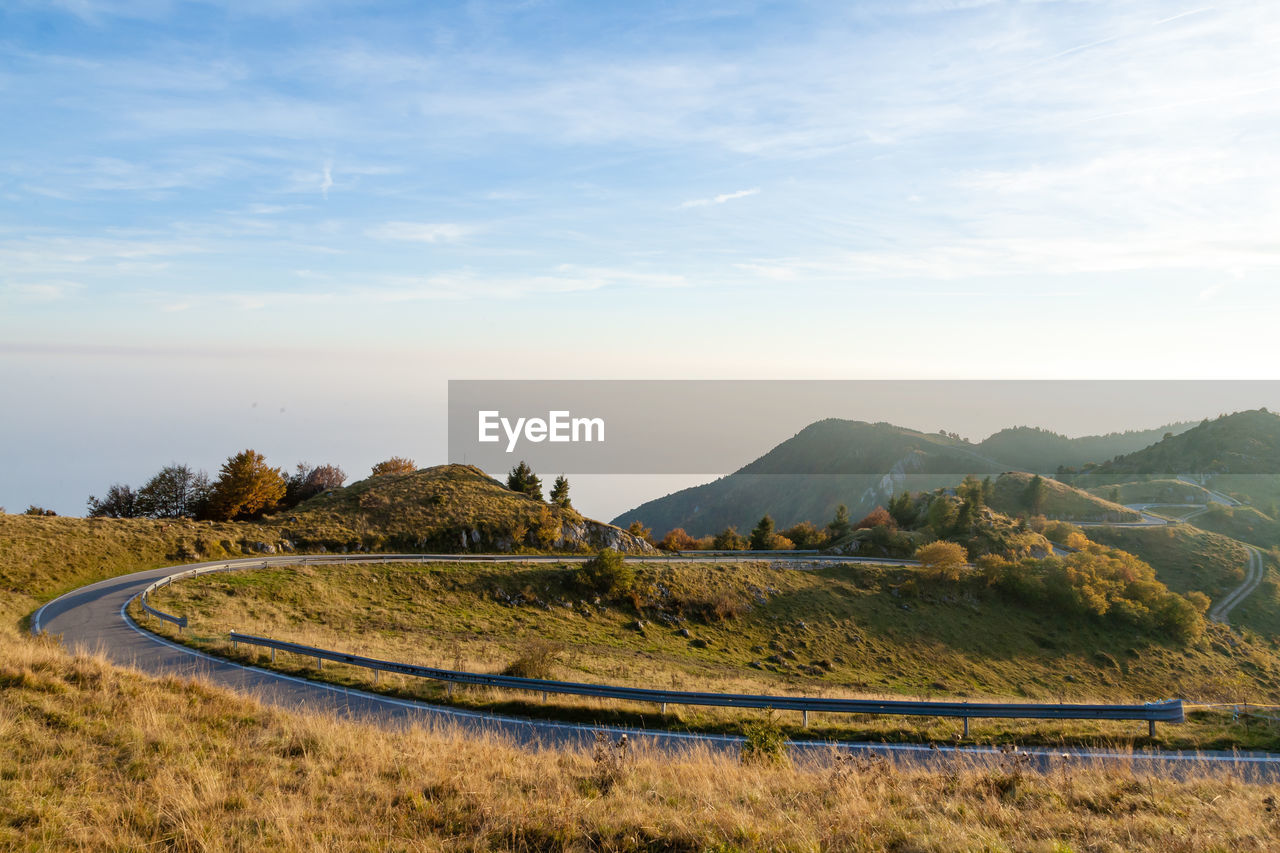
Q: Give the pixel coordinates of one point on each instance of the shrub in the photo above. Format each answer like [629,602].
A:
[38,510]
[942,560]
[764,742]
[538,660]
[805,535]
[607,574]
[394,465]
[878,517]
[678,540]
[729,539]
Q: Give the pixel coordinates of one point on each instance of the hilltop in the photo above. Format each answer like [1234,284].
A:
[1042,451]
[1013,495]
[447,508]
[1242,443]
[862,465]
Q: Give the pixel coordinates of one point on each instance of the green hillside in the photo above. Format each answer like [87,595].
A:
[1244,443]
[1014,495]
[828,463]
[862,465]
[1042,451]
[1168,491]
[447,508]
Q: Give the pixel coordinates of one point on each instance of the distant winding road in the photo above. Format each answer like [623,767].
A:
[94,618]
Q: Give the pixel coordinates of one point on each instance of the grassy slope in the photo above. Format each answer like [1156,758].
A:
[44,557]
[1153,491]
[1059,501]
[100,758]
[432,509]
[849,620]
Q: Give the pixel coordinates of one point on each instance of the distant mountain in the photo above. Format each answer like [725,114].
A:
[828,463]
[1240,443]
[861,465]
[1041,451]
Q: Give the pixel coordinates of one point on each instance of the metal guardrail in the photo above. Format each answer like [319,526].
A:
[1169,711]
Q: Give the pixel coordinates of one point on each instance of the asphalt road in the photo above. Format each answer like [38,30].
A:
[93,618]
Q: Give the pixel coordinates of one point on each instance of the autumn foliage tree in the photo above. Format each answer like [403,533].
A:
[246,487]
[678,540]
[394,465]
[307,482]
[942,560]
[878,517]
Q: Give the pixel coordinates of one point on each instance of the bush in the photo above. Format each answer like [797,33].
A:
[394,465]
[764,742]
[942,560]
[607,574]
[678,540]
[538,660]
[38,510]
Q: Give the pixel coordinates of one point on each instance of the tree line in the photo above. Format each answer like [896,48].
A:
[246,487]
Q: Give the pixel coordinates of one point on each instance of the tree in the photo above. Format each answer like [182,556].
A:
[840,525]
[678,540]
[246,487]
[805,535]
[394,465]
[638,530]
[307,482]
[175,492]
[941,515]
[729,539]
[878,517]
[762,535]
[121,502]
[903,509]
[1035,495]
[523,480]
[942,560]
[607,573]
[38,510]
[560,492]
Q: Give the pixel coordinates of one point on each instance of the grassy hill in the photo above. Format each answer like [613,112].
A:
[861,465]
[1167,490]
[1244,443]
[806,477]
[447,508]
[1012,496]
[853,629]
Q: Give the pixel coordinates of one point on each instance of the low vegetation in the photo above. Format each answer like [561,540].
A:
[752,627]
[97,757]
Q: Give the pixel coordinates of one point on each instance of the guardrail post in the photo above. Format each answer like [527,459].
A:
[235,646]
[375,676]
[804,720]
[544,697]
[319,663]
[664,708]
[966,726]
[273,655]
[1151,728]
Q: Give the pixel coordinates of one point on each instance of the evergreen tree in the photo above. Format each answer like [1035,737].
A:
[522,479]
[729,540]
[1035,495]
[560,491]
[840,525]
[762,535]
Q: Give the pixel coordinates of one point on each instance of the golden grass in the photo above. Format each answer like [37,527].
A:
[102,758]
[446,615]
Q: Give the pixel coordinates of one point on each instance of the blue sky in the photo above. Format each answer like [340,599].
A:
[288,227]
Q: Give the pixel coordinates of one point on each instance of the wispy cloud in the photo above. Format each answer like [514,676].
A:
[326,181]
[720,199]
[421,232]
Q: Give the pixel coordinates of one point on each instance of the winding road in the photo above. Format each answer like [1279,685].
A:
[94,618]
[1255,571]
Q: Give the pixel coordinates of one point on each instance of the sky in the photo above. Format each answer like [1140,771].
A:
[286,225]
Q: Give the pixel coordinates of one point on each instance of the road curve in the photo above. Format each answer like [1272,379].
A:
[1255,571]
[93,618]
